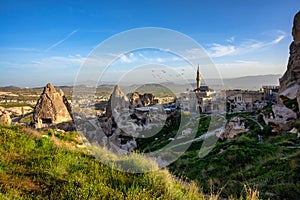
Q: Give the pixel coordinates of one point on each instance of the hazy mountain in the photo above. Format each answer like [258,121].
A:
[252,82]
[246,82]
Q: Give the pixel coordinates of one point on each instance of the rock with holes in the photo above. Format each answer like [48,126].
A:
[53,110]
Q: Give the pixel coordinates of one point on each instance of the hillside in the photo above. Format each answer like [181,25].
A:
[47,165]
[271,165]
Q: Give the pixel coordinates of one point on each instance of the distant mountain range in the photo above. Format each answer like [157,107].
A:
[252,82]
[249,82]
[246,82]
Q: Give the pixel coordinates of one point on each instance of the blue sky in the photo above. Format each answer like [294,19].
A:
[48,41]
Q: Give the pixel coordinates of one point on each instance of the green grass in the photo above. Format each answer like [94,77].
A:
[10,105]
[272,166]
[47,166]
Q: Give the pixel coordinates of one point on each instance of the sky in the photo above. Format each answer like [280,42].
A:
[51,41]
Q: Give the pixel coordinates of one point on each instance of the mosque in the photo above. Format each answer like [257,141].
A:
[198,100]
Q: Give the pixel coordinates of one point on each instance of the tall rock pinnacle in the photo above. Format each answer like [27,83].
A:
[52,108]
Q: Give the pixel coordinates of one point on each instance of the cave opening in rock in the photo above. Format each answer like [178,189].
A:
[46,121]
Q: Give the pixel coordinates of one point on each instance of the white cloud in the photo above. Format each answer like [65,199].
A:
[146,59]
[52,62]
[250,62]
[125,59]
[219,50]
[278,39]
[19,49]
[62,40]
[231,39]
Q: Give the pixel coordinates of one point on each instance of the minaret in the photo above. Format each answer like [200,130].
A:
[198,78]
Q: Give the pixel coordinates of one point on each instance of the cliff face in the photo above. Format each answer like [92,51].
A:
[283,119]
[290,81]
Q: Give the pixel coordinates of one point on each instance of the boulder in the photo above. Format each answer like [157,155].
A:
[53,109]
[139,100]
[282,120]
[234,127]
[5,118]
[135,100]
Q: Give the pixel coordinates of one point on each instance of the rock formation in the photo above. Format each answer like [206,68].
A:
[5,117]
[117,101]
[234,127]
[290,81]
[138,100]
[53,110]
[283,118]
[118,120]
[296,28]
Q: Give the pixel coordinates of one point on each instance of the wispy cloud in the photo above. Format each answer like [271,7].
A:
[128,58]
[278,39]
[143,58]
[219,50]
[19,49]
[52,62]
[231,39]
[62,40]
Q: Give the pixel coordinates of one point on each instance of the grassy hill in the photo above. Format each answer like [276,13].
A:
[47,165]
[272,166]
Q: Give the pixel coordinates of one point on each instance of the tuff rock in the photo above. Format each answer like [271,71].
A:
[53,110]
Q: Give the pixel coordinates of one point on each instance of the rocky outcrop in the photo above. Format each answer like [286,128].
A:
[296,28]
[117,101]
[282,119]
[53,110]
[119,120]
[290,81]
[139,100]
[5,117]
[234,127]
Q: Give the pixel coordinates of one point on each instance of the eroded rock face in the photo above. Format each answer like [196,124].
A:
[282,119]
[118,120]
[117,100]
[296,28]
[53,109]
[5,118]
[290,81]
[234,127]
[139,100]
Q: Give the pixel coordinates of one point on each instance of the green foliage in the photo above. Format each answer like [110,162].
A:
[292,104]
[33,167]
[10,105]
[297,124]
[27,120]
[70,136]
[271,166]
[244,160]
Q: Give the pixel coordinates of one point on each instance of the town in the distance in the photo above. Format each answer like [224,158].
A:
[106,115]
